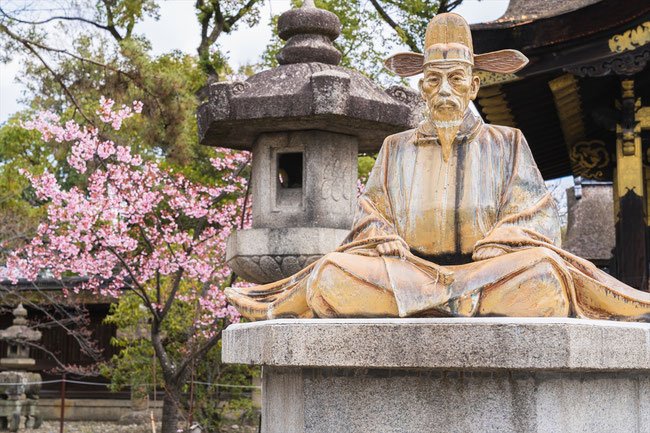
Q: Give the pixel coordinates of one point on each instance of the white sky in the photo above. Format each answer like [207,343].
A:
[177,29]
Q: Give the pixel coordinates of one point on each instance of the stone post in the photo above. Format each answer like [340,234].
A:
[590,222]
[19,387]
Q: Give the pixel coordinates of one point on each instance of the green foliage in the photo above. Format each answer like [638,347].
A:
[366,38]
[20,209]
[166,85]
[123,15]
[216,17]
[228,400]
[134,365]
[365,162]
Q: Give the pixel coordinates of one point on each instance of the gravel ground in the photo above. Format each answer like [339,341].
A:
[90,427]
[106,427]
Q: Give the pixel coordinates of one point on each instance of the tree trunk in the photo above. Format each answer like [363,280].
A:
[171,401]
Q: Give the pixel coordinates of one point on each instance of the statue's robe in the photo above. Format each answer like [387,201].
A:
[482,234]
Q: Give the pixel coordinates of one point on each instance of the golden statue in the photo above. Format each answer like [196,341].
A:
[455,219]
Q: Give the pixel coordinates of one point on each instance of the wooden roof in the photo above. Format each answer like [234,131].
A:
[526,10]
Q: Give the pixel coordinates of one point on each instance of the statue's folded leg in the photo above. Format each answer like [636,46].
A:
[601,296]
[350,285]
[533,282]
[539,282]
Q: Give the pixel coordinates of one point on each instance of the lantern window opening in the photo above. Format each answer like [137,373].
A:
[290,169]
[289,175]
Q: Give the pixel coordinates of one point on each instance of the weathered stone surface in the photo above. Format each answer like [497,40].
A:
[307,91]
[297,221]
[327,194]
[282,99]
[448,375]
[412,99]
[308,20]
[306,121]
[265,255]
[309,48]
[309,32]
[455,343]
[590,223]
[321,400]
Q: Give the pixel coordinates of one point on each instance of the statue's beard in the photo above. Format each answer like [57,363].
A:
[447,122]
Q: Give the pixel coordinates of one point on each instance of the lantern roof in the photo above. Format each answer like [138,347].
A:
[308,90]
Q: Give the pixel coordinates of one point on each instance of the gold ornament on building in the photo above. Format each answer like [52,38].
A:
[589,159]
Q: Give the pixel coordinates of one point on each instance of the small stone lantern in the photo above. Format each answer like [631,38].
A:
[18,387]
[306,122]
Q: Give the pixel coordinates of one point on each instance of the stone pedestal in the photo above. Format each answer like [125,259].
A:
[448,375]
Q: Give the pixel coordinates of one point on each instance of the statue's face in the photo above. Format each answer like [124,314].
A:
[447,89]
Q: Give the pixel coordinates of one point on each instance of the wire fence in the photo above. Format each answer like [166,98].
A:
[81,382]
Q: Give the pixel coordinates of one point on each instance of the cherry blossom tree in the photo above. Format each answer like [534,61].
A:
[135,226]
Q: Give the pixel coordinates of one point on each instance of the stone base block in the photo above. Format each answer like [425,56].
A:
[93,409]
[269,254]
[448,375]
[412,401]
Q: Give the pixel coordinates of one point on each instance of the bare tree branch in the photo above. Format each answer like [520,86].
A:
[62,18]
[240,13]
[27,44]
[141,292]
[111,24]
[410,41]
[198,354]
[448,6]
[209,11]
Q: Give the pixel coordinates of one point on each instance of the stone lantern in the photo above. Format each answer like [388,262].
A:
[306,122]
[18,387]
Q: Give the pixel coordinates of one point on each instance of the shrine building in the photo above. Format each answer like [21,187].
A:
[583,104]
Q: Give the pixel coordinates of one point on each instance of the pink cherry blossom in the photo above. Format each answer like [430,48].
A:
[134,223]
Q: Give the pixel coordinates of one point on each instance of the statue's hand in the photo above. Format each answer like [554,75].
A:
[392,248]
[487,253]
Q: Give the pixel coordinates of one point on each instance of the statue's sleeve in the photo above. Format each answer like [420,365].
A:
[527,213]
[374,215]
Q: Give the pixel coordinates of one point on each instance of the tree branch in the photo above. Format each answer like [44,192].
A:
[219,22]
[137,80]
[400,31]
[61,18]
[79,371]
[198,354]
[172,295]
[447,6]
[240,13]
[142,293]
[111,23]
[166,364]
[82,338]
[57,77]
